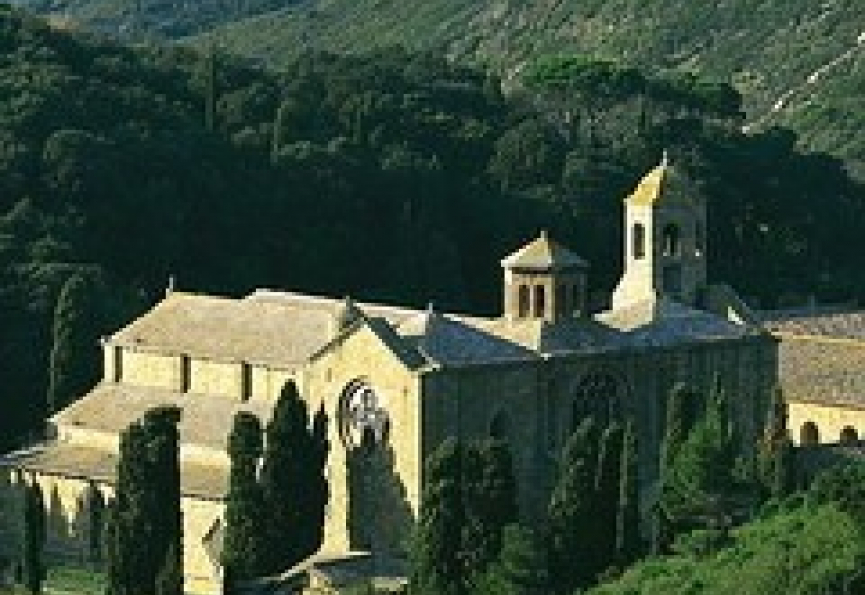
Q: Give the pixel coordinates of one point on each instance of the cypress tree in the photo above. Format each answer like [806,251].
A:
[169,580]
[34,539]
[628,513]
[144,518]
[317,491]
[96,519]
[437,567]
[293,463]
[680,418]
[242,552]
[607,486]
[571,511]
[496,495]
[521,567]
[74,358]
[681,414]
[775,453]
[164,467]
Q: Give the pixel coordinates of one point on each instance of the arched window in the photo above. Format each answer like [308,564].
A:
[670,240]
[598,396]
[523,299]
[638,241]
[809,435]
[849,436]
[540,301]
[500,426]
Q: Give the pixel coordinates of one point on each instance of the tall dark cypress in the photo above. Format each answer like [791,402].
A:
[164,438]
[34,539]
[607,480]
[571,511]
[681,415]
[437,567]
[775,453]
[243,545]
[74,360]
[144,526]
[293,463]
[628,513]
[95,506]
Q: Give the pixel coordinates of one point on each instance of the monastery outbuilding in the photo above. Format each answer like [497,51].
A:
[410,378]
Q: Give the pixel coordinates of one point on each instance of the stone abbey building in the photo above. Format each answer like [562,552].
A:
[413,377]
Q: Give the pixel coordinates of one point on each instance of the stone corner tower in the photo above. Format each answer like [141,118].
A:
[543,280]
[665,240]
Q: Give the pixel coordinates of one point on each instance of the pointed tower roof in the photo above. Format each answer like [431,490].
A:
[664,183]
[543,254]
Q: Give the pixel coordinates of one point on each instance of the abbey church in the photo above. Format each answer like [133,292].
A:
[411,378]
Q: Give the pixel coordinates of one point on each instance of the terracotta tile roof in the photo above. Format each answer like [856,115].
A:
[544,254]
[205,420]
[82,462]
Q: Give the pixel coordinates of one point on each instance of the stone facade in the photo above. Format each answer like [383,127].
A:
[409,379]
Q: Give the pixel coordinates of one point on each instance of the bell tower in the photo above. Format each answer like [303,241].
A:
[543,280]
[665,240]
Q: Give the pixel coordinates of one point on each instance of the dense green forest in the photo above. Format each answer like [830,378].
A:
[769,49]
[798,63]
[391,176]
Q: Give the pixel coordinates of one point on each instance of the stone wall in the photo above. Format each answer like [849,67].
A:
[362,356]
[68,526]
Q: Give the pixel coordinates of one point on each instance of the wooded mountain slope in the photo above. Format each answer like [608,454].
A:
[767,48]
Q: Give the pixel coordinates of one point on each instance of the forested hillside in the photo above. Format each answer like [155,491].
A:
[391,176]
[767,48]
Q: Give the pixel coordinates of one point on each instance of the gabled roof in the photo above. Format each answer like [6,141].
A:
[205,420]
[576,335]
[543,254]
[447,341]
[848,324]
[664,183]
[384,332]
[83,462]
[662,321]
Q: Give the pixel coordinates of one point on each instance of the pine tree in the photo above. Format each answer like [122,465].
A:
[437,567]
[293,462]
[74,359]
[571,511]
[34,539]
[607,486]
[628,513]
[243,545]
